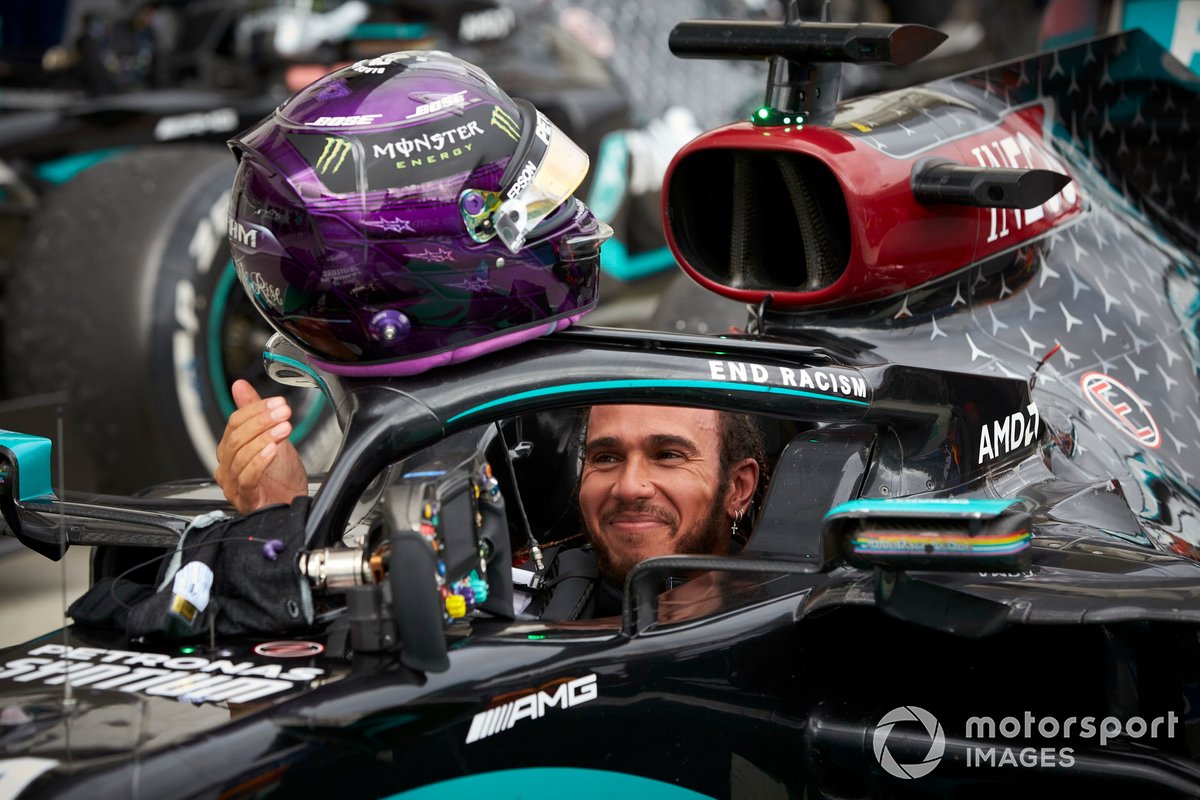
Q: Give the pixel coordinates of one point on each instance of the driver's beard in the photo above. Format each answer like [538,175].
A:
[703,539]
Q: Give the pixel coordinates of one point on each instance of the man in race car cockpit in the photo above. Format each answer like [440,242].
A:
[659,480]
[405,213]
[654,480]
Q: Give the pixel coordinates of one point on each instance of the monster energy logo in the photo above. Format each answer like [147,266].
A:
[502,120]
[333,155]
[438,141]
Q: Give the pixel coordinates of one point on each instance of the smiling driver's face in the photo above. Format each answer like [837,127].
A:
[651,485]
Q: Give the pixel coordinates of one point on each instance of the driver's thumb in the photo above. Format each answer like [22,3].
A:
[243,393]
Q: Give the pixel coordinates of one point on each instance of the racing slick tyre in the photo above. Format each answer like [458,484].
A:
[125,296]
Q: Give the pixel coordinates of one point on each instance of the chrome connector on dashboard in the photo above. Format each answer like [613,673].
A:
[333,569]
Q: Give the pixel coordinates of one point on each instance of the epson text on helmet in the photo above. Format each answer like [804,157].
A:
[523,180]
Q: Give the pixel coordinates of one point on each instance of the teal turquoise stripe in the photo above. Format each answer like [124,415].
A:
[300,365]
[1160,18]
[609,183]
[390,30]
[314,413]
[951,506]
[600,386]
[32,454]
[64,169]
[216,362]
[616,261]
[570,782]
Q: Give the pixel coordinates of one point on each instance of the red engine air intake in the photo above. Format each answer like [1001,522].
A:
[825,217]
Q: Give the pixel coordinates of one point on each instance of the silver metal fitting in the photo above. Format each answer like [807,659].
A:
[333,569]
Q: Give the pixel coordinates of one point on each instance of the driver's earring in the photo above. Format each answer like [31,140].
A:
[737,517]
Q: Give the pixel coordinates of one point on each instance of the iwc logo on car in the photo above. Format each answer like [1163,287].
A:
[1121,406]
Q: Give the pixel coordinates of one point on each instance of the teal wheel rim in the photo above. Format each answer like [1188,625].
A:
[226,285]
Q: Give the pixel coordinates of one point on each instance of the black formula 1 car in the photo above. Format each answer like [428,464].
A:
[972,339]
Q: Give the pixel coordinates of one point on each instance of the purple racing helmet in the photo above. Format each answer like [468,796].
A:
[404,212]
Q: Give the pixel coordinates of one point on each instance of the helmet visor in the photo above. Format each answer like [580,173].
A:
[552,169]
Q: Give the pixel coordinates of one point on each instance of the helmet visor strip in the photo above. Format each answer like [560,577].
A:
[552,168]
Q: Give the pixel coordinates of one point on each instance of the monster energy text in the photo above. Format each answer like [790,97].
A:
[437,142]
